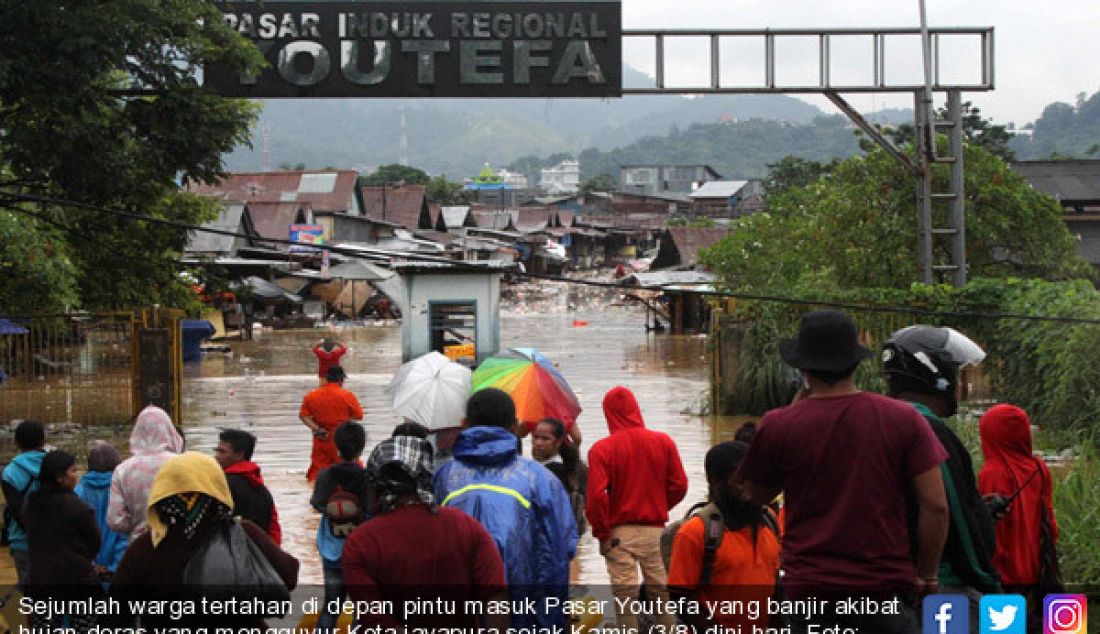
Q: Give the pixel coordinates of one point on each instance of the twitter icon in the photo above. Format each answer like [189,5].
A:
[1003,614]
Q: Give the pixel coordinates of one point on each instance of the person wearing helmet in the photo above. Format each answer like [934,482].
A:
[922,365]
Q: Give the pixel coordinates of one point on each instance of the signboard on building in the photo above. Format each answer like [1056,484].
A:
[306,235]
[426,48]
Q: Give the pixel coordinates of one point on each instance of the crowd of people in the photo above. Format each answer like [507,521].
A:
[843,493]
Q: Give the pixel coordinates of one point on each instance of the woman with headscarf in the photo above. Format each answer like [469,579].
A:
[415,550]
[63,539]
[153,441]
[95,490]
[1014,474]
[188,504]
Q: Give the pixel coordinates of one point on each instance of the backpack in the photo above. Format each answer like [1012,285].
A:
[714,527]
[13,508]
[344,511]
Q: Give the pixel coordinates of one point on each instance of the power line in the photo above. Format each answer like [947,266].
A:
[419,257]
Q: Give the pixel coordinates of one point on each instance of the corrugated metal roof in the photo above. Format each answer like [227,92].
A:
[667,278]
[231,217]
[455,217]
[1068,181]
[272,219]
[496,220]
[405,204]
[324,190]
[718,189]
[680,246]
[532,219]
[360,270]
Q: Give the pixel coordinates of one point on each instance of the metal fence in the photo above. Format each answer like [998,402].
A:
[75,368]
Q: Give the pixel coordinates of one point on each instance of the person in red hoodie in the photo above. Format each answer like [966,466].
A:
[634,478]
[251,499]
[1022,481]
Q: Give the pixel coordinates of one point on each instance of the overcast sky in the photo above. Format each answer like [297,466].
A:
[1044,51]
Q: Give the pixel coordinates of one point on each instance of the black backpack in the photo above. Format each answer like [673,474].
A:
[13,508]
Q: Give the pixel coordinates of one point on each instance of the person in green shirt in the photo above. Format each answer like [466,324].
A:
[922,365]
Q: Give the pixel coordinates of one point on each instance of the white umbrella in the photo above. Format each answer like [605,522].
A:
[431,390]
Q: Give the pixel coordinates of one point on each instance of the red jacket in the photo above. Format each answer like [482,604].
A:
[634,475]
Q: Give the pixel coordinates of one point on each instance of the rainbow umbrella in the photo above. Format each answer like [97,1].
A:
[535,385]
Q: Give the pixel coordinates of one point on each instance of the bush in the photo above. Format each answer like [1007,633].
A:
[1044,367]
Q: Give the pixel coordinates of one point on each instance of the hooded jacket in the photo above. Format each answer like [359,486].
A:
[523,506]
[153,441]
[20,477]
[1006,444]
[634,475]
[251,498]
[95,490]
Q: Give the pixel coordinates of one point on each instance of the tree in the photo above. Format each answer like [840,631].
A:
[393,174]
[977,129]
[601,183]
[36,274]
[73,130]
[442,190]
[792,171]
[856,228]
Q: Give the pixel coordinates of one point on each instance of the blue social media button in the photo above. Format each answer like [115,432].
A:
[1003,614]
[946,614]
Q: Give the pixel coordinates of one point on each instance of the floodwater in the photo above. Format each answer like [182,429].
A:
[260,384]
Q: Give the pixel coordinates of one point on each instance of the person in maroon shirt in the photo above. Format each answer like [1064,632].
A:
[328,354]
[845,460]
[414,550]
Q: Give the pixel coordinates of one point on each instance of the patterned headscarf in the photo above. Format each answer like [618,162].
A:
[188,510]
[412,459]
[187,489]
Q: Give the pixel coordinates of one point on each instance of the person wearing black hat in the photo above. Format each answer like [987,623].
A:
[323,410]
[845,460]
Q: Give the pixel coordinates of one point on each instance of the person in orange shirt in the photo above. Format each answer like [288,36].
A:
[323,410]
[743,572]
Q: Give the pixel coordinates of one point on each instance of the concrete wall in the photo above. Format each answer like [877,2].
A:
[423,288]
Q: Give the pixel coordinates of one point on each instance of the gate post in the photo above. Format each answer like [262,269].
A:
[158,361]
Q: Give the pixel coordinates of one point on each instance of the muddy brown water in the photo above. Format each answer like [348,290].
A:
[259,386]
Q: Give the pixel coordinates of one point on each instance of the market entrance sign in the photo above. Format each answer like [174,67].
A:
[426,48]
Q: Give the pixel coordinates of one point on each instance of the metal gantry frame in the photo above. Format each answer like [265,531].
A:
[926,125]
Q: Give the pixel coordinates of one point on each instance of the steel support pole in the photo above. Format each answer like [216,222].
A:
[924,189]
[958,186]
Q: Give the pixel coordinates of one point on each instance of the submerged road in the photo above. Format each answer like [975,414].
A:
[259,387]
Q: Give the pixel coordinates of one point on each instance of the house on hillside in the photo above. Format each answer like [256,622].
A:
[407,205]
[333,191]
[563,178]
[651,180]
[680,246]
[1076,186]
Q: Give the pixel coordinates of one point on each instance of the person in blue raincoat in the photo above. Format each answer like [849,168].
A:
[95,489]
[519,502]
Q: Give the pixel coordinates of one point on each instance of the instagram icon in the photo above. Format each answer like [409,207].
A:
[1065,614]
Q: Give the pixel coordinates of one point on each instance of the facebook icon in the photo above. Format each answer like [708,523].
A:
[946,614]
